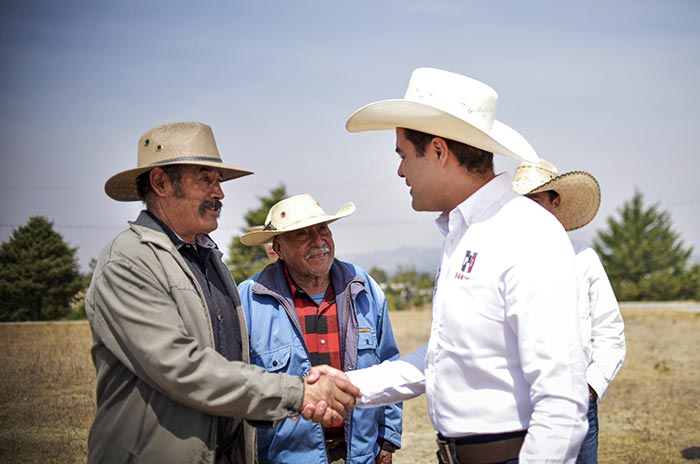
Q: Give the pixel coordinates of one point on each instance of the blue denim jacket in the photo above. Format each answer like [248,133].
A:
[277,344]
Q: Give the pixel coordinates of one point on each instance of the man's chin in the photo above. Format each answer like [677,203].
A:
[323,263]
[210,224]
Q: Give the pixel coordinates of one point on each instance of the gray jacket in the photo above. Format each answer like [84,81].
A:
[160,382]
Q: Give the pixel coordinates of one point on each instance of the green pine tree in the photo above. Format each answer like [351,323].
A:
[644,257]
[39,273]
[244,261]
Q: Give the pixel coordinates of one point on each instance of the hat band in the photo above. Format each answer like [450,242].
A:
[187,158]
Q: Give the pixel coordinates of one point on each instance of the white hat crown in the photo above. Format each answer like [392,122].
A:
[293,213]
[448,105]
[461,96]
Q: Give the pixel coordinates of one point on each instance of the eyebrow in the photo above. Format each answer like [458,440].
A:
[209,169]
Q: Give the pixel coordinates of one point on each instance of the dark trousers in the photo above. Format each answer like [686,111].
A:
[589,448]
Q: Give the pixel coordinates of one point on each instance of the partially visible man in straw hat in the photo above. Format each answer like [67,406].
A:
[503,372]
[170,343]
[267,246]
[308,309]
[573,198]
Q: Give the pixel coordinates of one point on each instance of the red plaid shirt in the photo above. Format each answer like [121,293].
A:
[319,322]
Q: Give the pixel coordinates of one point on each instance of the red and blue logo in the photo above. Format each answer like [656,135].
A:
[469,260]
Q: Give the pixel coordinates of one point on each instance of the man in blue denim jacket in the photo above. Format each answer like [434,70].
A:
[309,309]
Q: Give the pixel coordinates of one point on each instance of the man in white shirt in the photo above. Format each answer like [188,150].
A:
[573,198]
[503,371]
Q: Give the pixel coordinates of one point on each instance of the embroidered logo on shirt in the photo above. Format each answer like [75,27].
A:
[469,260]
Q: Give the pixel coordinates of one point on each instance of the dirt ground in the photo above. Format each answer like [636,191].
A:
[651,414]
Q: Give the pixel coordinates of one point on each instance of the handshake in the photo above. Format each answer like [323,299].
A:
[328,395]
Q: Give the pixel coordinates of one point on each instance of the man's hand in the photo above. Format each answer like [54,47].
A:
[317,371]
[327,398]
[384,457]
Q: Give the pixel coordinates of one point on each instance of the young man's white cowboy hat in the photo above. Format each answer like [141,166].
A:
[293,213]
[172,143]
[578,190]
[448,105]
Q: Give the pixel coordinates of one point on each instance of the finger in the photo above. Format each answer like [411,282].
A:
[347,387]
[331,416]
[333,372]
[319,411]
[307,412]
[314,374]
[344,403]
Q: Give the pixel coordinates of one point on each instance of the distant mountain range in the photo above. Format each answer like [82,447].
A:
[390,261]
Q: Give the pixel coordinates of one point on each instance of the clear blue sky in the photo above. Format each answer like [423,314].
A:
[606,87]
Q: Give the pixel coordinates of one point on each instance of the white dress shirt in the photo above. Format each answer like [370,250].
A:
[602,328]
[504,352]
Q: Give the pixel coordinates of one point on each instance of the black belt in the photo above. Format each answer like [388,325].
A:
[333,443]
[334,437]
[480,449]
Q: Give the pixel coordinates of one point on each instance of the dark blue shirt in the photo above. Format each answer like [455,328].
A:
[222,312]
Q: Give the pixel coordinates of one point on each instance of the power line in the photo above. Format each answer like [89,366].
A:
[383,223]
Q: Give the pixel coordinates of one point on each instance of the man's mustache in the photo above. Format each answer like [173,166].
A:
[317,251]
[216,205]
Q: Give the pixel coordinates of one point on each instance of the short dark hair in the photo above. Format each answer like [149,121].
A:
[474,159]
[143,181]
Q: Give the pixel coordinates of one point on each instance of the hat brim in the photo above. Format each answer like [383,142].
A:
[580,198]
[262,236]
[390,114]
[122,186]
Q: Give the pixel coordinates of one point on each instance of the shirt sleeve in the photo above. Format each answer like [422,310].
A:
[138,320]
[391,423]
[608,345]
[541,309]
[391,381]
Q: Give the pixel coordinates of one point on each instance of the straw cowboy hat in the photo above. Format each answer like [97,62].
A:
[173,143]
[293,213]
[448,105]
[578,190]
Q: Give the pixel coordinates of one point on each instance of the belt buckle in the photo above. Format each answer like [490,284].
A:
[444,452]
[332,443]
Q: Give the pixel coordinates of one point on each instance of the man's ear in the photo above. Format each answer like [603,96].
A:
[160,183]
[439,146]
[556,203]
[276,245]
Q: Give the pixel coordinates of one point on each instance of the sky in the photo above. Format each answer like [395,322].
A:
[610,88]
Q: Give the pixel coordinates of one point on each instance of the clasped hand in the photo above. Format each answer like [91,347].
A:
[328,395]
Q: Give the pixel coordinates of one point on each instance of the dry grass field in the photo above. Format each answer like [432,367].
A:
[651,414]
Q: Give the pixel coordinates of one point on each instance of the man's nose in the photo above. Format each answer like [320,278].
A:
[217,191]
[399,172]
[315,237]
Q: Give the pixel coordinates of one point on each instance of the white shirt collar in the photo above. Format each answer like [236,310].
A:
[471,209]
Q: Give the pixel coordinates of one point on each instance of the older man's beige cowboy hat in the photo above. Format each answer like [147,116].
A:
[293,213]
[448,105]
[173,143]
[578,190]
